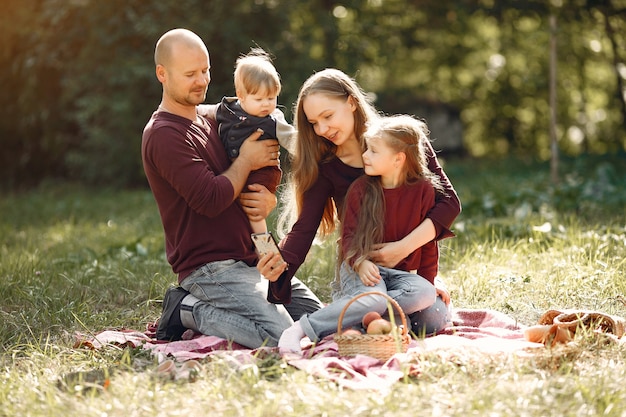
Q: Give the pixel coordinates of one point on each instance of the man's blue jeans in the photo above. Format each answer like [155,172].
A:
[234,304]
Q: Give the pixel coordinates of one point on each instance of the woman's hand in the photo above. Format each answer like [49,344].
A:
[369,273]
[271,266]
[389,254]
[258,203]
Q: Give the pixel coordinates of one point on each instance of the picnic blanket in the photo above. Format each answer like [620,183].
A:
[480,331]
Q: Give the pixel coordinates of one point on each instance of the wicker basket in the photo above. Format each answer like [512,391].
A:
[379,346]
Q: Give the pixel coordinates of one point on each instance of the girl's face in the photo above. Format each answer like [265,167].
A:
[379,158]
[331,117]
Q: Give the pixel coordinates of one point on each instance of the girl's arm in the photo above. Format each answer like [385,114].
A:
[367,270]
[436,225]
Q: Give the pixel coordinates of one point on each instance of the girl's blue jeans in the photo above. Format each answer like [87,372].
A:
[412,292]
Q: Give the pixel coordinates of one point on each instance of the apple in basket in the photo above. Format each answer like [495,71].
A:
[369,317]
[351,332]
[379,326]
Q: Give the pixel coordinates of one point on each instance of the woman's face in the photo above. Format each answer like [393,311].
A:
[331,117]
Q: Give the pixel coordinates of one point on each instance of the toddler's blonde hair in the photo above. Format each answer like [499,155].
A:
[254,72]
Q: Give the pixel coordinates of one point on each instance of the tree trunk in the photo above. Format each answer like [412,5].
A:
[554,162]
[610,33]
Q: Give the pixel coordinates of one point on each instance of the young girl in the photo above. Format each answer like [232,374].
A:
[331,114]
[385,205]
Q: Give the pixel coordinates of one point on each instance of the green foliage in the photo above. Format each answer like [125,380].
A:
[83,72]
[590,188]
[78,78]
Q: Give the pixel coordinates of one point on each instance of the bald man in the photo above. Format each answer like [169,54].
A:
[207,234]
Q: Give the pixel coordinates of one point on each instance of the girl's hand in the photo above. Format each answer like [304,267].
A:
[369,273]
[258,203]
[442,292]
[388,254]
[271,266]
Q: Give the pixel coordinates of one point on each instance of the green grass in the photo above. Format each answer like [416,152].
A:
[81,260]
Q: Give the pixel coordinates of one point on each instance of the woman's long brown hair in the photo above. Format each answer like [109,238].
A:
[311,150]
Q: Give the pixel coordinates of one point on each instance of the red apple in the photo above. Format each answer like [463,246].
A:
[369,317]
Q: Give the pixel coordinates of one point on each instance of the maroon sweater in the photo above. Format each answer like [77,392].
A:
[183,161]
[333,181]
[405,208]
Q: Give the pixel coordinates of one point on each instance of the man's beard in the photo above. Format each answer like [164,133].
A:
[196,98]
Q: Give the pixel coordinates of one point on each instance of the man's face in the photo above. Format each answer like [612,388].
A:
[187,75]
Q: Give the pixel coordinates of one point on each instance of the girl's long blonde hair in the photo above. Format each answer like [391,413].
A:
[311,149]
[401,133]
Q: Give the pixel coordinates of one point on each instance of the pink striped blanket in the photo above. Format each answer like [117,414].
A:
[481,331]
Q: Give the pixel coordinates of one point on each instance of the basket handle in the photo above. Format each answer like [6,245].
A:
[393,302]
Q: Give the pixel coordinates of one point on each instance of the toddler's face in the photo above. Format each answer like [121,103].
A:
[260,104]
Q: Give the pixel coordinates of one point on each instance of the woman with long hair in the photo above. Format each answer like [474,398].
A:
[331,115]
[385,204]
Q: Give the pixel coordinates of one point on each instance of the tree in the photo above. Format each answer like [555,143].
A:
[78,78]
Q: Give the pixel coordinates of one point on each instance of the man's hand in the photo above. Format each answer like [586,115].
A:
[253,154]
[259,153]
[258,203]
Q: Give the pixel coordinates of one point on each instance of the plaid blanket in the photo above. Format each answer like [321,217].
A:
[477,331]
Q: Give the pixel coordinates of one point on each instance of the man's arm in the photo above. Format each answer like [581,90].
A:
[253,154]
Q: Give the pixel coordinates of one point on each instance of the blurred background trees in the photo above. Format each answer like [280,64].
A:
[77,76]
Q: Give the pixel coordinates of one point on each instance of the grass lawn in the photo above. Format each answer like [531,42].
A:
[83,260]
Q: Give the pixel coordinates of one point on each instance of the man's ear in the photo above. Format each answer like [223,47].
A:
[160,73]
